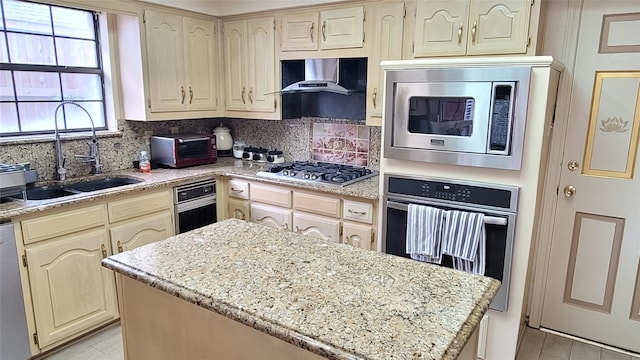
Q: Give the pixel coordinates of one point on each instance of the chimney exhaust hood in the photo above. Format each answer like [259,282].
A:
[320,75]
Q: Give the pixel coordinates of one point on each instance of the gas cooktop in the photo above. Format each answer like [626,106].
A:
[318,172]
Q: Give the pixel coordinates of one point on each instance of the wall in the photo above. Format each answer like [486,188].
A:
[118,151]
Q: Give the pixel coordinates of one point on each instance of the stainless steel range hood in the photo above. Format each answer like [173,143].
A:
[320,75]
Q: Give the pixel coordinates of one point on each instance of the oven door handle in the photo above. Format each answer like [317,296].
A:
[196,203]
[492,220]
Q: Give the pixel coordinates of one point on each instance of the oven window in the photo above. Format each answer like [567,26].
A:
[193,150]
[451,116]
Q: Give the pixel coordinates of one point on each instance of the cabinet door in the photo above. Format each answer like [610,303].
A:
[316,226]
[200,57]
[272,216]
[239,209]
[498,27]
[358,235]
[235,59]
[385,24]
[141,231]
[261,67]
[342,28]
[71,290]
[165,56]
[441,28]
[299,32]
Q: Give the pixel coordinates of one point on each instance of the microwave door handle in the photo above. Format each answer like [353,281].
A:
[491,220]
[192,139]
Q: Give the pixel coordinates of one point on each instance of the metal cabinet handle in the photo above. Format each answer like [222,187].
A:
[298,230]
[190,95]
[285,227]
[313,25]
[183,94]
[119,246]
[237,190]
[460,34]
[374,97]
[324,26]
[473,32]
[104,251]
[251,95]
[362,213]
[244,216]
[242,94]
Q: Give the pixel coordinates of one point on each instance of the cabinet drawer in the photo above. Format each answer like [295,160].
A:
[271,195]
[139,205]
[357,211]
[65,222]
[238,189]
[317,204]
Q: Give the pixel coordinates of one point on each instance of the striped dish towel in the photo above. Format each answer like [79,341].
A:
[424,233]
[465,240]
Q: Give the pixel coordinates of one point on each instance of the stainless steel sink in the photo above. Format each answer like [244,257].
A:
[48,192]
[101,184]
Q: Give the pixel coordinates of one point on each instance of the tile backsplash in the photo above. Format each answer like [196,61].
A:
[341,143]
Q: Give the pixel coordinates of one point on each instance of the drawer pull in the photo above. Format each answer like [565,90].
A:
[285,227]
[104,251]
[354,212]
[298,230]
[237,190]
[119,246]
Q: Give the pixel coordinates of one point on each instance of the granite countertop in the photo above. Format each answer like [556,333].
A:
[332,299]
[158,178]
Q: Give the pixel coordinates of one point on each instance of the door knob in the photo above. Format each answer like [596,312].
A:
[573,165]
[569,191]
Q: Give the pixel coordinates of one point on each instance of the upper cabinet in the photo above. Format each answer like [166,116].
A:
[475,27]
[170,71]
[250,68]
[299,31]
[342,28]
[385,25]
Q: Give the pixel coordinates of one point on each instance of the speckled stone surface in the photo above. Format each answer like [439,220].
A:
[159,178]
[335,300]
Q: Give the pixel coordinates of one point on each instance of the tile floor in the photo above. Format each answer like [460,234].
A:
[536,345]
[540,345]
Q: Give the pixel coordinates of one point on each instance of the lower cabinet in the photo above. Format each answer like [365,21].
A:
[239,209]
[358,235]
[272,216]
[317,226]
[141,231]
[70,289]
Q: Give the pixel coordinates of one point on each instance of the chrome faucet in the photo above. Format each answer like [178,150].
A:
[94,150]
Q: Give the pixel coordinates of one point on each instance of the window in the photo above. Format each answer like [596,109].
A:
[49,54]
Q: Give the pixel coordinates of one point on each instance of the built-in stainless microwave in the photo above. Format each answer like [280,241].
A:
[457,115]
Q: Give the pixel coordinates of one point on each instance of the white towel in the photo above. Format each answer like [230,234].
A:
[424,233]
[465,240]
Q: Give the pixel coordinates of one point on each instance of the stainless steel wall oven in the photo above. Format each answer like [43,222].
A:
[195,205]
[497,202]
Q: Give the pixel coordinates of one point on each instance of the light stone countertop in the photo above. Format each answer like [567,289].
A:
[160,178]
[332,299]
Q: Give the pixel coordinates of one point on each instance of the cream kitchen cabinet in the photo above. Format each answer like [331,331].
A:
[168,66]
[299,31]
[317,226]
[141,231]
[475,27]
[272,216]
[250,70]
[358,235]
[239,209]
[333,29]
[385,25]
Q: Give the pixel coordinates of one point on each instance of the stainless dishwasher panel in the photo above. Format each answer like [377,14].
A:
[14,337]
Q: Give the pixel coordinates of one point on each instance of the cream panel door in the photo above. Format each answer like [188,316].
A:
[200,57]
[141,231]
[593,283]
[358,235]
[261,64]
[385,24]
[165,56]
[342,28]
[299,32]
[272,216]
[71,290]
[441,28]
[235,60]
[316,226]
[500,27]
[239,209]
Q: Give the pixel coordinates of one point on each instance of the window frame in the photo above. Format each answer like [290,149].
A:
[99,70]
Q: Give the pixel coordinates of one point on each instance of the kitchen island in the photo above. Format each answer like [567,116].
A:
[238,290]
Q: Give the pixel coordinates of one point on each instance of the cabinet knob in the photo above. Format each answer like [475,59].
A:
[569,191]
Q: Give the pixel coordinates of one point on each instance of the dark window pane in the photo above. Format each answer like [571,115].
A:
[37,86]
[9,118]
[76,53]
[6,87]
[39,115]
[4,56]
[27,17]
[31,49]
[81,87]
[78,119]
[73,23]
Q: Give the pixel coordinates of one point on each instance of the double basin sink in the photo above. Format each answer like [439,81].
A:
[57,191]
